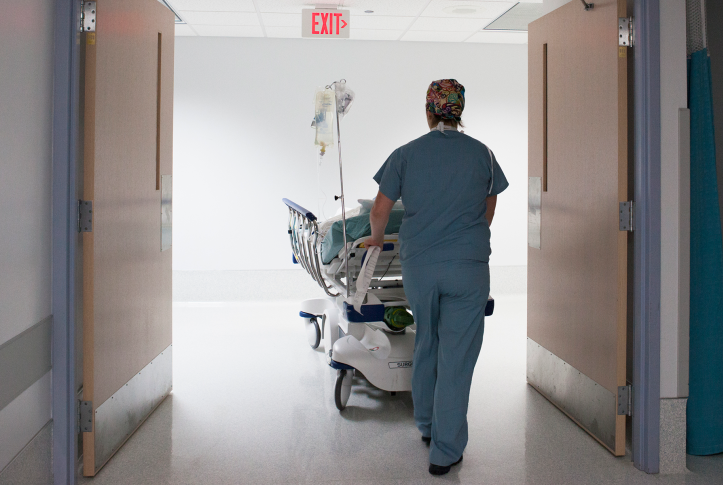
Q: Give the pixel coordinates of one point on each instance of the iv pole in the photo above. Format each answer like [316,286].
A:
[341,180]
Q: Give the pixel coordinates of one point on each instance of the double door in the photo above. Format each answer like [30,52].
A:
[578,256]
[128,137]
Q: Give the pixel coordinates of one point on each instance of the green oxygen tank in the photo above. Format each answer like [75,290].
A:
[397,318]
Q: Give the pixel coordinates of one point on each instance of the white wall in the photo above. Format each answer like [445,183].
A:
[675,204]
[550,5]
[25,124]
[26,50]
[242,136]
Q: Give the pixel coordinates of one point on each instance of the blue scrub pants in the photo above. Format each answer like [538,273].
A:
[448,301]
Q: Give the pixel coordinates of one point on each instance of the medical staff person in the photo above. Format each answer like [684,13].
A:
[448,182]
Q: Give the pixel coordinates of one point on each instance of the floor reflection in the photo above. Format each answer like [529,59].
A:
[253,404]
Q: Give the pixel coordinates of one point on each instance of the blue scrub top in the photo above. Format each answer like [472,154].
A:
[444,181]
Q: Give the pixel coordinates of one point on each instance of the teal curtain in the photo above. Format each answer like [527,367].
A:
[705,401]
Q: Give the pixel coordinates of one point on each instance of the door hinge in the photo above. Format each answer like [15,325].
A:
[625,32]
[625,400]
[627,216]
[85,216]
[87,16]
[85,416]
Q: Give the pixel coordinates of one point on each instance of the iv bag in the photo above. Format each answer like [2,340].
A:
[344,99]
[323,118]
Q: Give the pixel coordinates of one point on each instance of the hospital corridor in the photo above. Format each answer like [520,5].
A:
[361,242]
[267,417]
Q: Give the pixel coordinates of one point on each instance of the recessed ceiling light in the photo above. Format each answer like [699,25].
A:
[462,9]
[368,11]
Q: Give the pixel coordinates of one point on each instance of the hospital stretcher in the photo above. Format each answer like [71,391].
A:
[354,341]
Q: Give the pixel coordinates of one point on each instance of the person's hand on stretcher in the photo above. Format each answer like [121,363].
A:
[379,217]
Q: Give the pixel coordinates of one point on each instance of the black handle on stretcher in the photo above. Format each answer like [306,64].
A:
[385,247]
[305,212]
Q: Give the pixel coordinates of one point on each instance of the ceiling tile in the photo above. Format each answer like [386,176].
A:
[518,17]
[466,9]
[183,30]
[220,18]
[284,32]
[282,20]
[290,6]
[400,8]
[370,34]
[449,24]
[213,5]
[495,37]
[426,36]
[379,22]
[228,30]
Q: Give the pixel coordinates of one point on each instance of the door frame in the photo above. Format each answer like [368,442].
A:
[646,260]
[65,136]
[646,286]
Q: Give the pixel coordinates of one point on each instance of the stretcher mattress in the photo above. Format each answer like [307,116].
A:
[357,227]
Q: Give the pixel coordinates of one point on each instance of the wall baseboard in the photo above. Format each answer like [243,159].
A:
[295,284]
[673,435]
[33,465]
[21,420]
[24,359]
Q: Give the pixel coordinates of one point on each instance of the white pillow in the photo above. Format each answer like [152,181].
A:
[366,205]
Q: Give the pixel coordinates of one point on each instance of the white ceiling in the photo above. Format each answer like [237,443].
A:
[405,20]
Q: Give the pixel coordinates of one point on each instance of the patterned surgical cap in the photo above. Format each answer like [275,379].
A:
[445,98]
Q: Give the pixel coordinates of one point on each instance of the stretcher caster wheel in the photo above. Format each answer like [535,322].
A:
[342,390]
[313,333]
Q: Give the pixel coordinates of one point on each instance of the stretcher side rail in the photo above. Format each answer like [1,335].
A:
[304,236]
[305,242]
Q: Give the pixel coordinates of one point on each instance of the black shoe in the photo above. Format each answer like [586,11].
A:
[427,439]
[442,470]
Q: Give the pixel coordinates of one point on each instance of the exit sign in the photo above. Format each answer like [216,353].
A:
[325,23]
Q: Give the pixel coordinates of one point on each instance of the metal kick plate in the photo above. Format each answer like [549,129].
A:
[166,211]
[534,202]
[119,416]
[581,398]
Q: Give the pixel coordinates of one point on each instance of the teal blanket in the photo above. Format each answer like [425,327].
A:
[356,228]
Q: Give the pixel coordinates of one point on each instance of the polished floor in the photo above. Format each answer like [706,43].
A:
[253,404]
